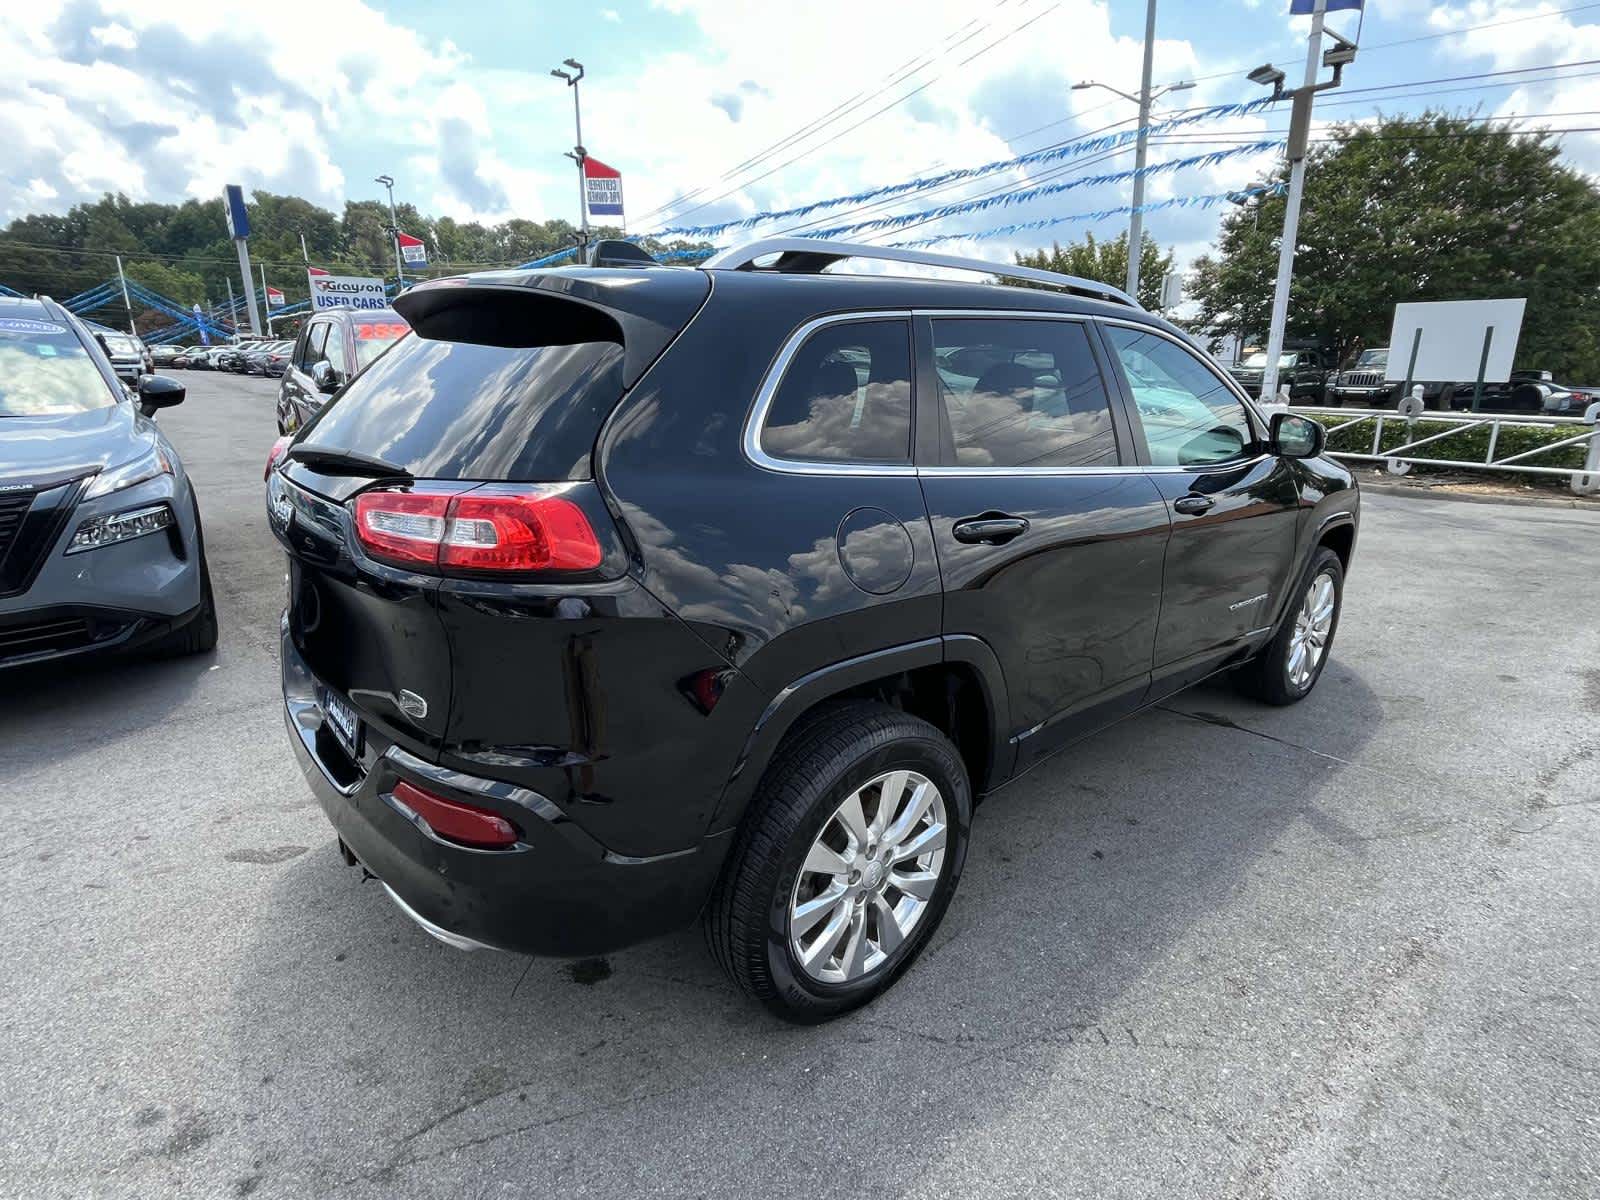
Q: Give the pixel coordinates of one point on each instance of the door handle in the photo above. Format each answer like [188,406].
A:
[989,530]
[1193,505]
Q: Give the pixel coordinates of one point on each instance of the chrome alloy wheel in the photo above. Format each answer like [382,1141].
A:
[1313,625]
[869,877]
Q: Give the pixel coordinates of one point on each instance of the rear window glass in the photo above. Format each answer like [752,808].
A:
[460,410]
[845,397]
[44,370]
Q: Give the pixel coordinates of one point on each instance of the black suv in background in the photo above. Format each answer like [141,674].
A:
[1304,372]
[619,597]
[331,348]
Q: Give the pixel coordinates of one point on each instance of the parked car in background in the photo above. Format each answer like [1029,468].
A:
[1303,372]
[165,356]
[332,348]
[616,598]
[1362,385]
[269,359]
[100,540]
[126,352]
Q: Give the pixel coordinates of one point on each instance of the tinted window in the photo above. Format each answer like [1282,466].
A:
[1022,394]
[44,369]
[1190,418]
[333,351]
[845,397]
[315,339]
[459,410]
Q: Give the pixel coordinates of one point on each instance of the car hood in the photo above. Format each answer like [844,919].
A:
[51,449]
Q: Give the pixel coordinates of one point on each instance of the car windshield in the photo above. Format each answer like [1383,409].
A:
[374,336]
[45,371]
[1259,359]
[120,344]
[1373,358]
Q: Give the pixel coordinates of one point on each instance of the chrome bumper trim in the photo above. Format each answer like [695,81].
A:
[453,940]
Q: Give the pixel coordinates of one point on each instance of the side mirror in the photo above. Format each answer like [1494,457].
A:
[159,391]
[1294,436]
[326,376]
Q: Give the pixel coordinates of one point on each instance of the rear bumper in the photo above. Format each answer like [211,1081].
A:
[557,892]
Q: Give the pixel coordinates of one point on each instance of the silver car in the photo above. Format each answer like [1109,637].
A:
[100,539]
[129,358]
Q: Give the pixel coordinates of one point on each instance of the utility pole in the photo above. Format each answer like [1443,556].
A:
[578,154]
[126,303]
[1136,220]
[1341,54]
[394,233]
[233,310]
[1144,99]
[304,256]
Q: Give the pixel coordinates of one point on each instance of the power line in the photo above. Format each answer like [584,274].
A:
[850,129]
[838,111]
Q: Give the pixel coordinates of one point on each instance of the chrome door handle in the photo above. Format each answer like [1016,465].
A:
[1193,505]
[989,530]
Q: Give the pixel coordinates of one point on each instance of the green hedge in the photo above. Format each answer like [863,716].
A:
[1468,446]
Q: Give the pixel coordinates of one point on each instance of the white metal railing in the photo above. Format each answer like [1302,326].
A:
[1584,480]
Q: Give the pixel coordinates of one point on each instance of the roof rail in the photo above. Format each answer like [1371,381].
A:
[811,255]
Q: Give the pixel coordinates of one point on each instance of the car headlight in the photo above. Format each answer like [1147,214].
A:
[112,528]
[128,474]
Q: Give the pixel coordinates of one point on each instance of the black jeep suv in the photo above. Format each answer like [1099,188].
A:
[620,597]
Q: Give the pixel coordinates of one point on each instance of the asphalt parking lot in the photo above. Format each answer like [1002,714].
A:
[1346,948]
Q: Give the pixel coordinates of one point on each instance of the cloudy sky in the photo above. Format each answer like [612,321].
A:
[164,100]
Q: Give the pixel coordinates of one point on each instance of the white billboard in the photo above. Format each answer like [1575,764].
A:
[1451,345]
[346,291]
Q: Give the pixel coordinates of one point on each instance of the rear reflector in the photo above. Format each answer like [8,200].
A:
[457,822]
[489,529]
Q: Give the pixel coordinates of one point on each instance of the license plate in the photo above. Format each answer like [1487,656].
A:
[343,721]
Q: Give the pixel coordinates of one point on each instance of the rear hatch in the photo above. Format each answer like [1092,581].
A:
[461,458]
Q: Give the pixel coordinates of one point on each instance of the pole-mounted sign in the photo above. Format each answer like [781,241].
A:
[412,249]
[602,188]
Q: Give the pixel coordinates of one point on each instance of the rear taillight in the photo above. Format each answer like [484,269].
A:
[275,455]
[488,530]
[457,822]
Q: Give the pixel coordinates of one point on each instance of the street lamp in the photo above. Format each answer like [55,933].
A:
[577,154]
[394,230]
[1143,100]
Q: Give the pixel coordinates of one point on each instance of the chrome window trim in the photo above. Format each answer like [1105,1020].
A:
[756,421]
[773,379]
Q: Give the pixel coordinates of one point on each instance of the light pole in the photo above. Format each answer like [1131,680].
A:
[394,231]
[1342,53]
[1143,100]
[577,154]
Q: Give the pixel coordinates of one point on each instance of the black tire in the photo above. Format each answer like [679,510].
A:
[1266,677]
[813,773]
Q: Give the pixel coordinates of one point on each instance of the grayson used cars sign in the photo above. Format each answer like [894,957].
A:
[346,291]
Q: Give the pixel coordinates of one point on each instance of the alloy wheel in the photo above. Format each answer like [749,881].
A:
[869,877]
[1313,626]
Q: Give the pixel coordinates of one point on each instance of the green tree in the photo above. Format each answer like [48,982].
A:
[1107,262]
[1428,208]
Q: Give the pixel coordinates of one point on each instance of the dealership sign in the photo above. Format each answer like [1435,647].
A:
[274,298]
[412,250]
[346,291]
[602,188]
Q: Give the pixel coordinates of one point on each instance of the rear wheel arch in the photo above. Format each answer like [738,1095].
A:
[953,683]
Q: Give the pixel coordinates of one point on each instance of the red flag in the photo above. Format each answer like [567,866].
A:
[315,271]
[412,249]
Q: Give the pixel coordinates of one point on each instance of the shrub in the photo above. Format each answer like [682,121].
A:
[1468,445]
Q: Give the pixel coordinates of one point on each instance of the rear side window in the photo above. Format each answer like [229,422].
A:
[1021,393]
[845,397]
[458,409]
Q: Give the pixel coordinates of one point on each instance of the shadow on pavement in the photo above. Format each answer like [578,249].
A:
[626,1074]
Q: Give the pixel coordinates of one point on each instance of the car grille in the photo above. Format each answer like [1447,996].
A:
[46,637]
[1361,379]
[13,507]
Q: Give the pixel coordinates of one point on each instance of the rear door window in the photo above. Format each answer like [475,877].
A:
[458,409]
[845,397]
[1022,393]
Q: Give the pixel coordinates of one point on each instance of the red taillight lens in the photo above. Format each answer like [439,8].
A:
[402,527]
[275,455]
[457,822]
[518,532]
[490,530]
